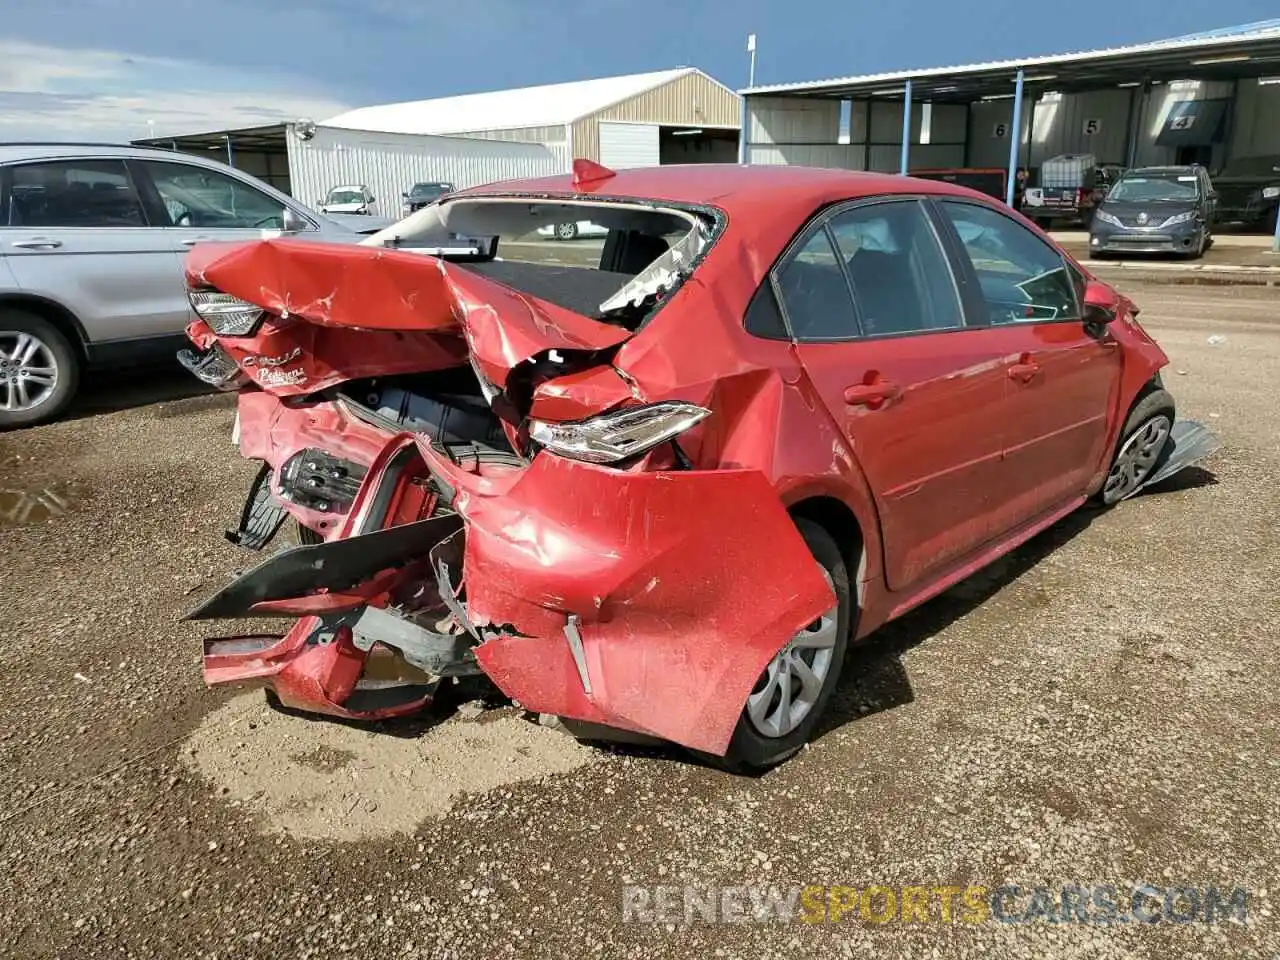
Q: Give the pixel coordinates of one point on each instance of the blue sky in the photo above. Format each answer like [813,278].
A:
[106,67]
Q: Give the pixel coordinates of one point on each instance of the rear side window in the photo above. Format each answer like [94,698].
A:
[901,279]
[1022,278]
[73,193]
[814,292]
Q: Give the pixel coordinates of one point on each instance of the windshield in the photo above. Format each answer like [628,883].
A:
[1144,189]
[345,196]
[428,191]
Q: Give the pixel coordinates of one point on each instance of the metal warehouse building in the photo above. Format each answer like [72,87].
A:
[647,119]
[306,160]
[1210,98]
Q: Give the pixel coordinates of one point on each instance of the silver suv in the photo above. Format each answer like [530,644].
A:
[92,239]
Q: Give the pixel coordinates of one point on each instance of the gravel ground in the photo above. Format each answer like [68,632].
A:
[1098,708]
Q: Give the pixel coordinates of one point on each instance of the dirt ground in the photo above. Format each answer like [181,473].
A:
[1099,708]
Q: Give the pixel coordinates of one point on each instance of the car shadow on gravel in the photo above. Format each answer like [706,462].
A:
[874,677]
[115,390]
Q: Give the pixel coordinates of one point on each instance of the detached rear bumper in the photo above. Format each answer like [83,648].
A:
[649,602]
[645,601]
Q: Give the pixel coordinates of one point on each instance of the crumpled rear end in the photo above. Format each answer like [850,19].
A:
[679,585]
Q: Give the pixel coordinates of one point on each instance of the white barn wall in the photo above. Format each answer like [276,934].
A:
[389,163]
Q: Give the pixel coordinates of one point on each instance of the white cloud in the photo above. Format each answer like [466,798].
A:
[48,92]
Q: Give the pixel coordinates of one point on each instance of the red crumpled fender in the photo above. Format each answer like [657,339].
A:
[686,584]
[375,289]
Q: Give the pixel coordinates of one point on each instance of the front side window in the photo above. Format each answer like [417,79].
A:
[901,280]
[1022,278]
[206,199]
[73,193]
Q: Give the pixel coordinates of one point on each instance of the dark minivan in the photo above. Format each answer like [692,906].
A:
[1156,210]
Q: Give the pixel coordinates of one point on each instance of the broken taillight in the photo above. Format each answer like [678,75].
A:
[226,315]
[619,434]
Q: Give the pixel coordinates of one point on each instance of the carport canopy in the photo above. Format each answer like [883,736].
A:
[1250,51]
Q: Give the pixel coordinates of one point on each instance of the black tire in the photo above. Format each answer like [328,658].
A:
[749,750]
[1153,403]
[66,364]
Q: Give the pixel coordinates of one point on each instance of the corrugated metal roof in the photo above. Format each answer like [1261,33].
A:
[1240,30]
[1247,33]
[543,106]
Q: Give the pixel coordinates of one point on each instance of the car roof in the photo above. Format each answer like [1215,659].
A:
[1165,171]
[39,150]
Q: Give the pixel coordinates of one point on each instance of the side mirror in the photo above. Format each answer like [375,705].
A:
[372,200]
[292,221]
[1101,304]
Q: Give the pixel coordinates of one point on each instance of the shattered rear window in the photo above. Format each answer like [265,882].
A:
[612,261]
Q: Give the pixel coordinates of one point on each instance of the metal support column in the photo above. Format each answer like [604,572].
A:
[1015,140]
[904,164]
[744,155]
[231,157]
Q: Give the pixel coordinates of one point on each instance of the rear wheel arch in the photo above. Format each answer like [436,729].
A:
[55,313]
[838,520]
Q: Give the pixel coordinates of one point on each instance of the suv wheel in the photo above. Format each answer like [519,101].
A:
[39,369]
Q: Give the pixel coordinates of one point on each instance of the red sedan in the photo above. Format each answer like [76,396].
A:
[658,492]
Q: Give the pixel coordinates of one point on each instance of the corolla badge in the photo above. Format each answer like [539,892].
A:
[1143,218]
[254,360]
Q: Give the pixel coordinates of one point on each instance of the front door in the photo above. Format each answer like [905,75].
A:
[76,233]
[873,306]
[1061,379]
[207,205]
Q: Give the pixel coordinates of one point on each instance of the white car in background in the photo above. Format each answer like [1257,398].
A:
[572,231]
[348,199]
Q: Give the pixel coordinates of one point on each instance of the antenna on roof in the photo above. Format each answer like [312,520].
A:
[588,171]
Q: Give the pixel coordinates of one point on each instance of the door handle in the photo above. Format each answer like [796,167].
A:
[37,243]
[871,394]
[1025,370]
[192,241]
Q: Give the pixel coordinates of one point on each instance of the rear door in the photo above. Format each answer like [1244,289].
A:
[1061,379]
[874,308]
[76,232]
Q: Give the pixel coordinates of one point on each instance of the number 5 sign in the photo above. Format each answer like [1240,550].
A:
[1092,127]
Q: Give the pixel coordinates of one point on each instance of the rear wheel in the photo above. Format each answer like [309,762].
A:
[792,692]
[1143,447]
[39,369]
[566,231]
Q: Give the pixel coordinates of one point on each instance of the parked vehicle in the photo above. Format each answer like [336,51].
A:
[1156,210]
[661,496]
[573,230]
[1249,191]
[348,199]
[1070,187]
[424,193]
[92,239]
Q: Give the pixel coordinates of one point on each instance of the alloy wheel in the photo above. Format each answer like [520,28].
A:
[790,685]
[28,371]
[1136,459]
